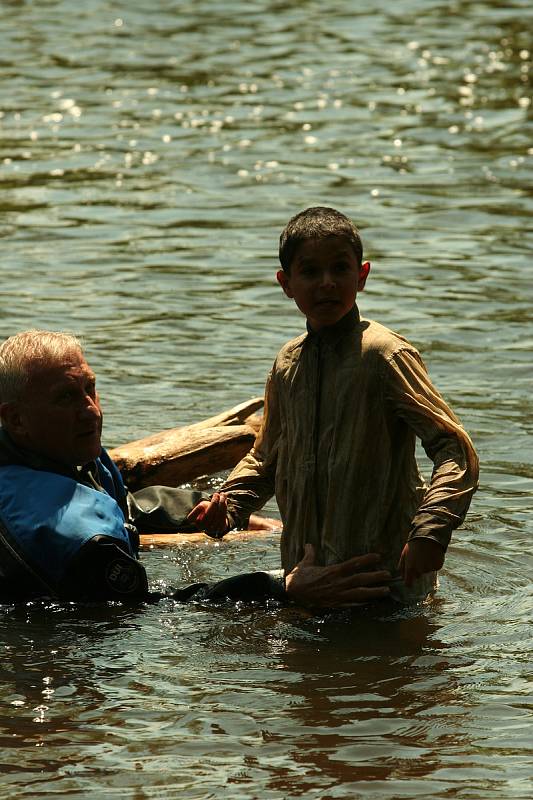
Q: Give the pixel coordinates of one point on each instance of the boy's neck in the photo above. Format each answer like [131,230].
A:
[350,320]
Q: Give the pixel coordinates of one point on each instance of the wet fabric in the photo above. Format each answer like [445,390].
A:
[67,532]
[51,517]
[63,534]
[248,587]
[343,408]
[71,534]
[163,509]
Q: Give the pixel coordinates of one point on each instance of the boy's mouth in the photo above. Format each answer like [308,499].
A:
[329,301]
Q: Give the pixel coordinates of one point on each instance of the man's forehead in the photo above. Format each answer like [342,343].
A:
[71,366]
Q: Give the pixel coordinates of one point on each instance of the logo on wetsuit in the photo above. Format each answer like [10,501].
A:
[122,576]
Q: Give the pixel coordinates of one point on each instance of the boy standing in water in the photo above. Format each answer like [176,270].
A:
[344,404]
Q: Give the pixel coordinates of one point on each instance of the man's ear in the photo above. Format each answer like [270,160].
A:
[284,282]
[364,269]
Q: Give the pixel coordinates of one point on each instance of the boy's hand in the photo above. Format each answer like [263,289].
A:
[337,586]
[211,516]
[419,556]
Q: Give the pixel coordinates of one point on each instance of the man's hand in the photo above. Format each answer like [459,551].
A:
[211,516]
[337,586]
[419,556]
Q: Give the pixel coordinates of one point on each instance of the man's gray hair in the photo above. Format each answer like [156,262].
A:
[22,353]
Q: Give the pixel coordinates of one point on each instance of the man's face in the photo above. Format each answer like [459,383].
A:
[59,415]
[324,280]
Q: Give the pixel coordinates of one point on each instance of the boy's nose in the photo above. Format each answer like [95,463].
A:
[327,279]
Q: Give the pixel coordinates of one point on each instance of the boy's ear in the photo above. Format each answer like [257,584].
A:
[284,282]
[11,418]
[364,269]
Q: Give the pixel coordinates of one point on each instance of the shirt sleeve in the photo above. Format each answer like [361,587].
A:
[252,482]
[455,472]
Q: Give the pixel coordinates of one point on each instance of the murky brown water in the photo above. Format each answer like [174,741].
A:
[150,155]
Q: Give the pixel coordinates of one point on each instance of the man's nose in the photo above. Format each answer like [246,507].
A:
[90,407]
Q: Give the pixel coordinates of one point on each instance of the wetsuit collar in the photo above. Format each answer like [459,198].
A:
[11,453]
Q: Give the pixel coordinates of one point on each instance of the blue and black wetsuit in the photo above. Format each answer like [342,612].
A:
[72,534]
[65,532]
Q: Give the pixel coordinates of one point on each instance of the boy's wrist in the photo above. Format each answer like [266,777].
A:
[235,520]
[429,526]
[426,537]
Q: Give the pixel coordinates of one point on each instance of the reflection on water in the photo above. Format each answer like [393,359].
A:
[150,155]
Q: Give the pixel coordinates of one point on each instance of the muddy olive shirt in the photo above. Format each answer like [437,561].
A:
[343,408]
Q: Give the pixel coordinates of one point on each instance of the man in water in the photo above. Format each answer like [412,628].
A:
[68,526]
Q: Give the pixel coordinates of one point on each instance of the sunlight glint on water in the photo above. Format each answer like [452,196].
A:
[150,155]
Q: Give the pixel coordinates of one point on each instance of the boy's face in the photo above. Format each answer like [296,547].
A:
[324,280]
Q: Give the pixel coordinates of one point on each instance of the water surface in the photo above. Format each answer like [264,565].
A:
[150,155]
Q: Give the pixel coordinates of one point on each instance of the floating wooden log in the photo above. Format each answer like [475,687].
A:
[243,414]
[180,455]
[157,540]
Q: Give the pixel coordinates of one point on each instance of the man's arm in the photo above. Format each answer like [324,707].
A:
[102,570]
[338,586]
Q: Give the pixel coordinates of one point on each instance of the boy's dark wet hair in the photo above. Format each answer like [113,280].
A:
[317,222]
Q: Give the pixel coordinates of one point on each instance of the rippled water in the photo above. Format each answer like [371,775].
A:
[150,155]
